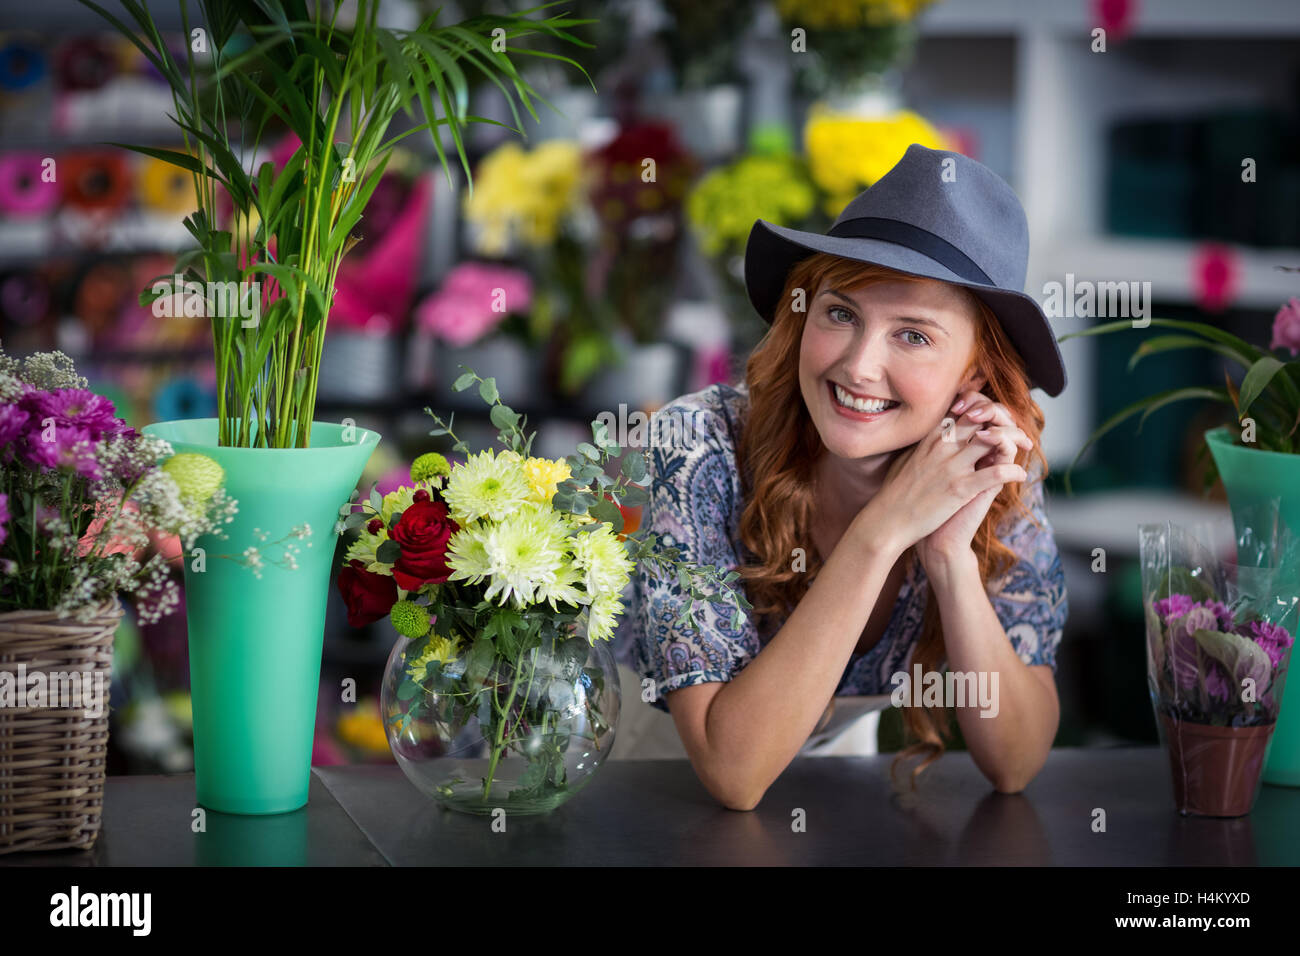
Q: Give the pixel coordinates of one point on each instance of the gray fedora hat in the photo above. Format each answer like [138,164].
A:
[955,221]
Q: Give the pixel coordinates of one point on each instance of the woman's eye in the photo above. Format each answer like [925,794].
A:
[837,309]
[924,340]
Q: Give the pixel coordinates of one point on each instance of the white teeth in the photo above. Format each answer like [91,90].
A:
[860,404]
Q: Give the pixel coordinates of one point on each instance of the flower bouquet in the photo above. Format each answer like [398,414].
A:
[81,497]
[503,575]
[1218,649]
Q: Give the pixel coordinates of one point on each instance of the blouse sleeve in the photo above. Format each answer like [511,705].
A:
[692,494]
[1030,599]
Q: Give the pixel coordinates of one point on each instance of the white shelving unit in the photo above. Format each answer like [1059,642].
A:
[1179,58]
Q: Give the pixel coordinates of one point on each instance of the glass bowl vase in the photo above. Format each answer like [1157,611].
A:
[522,732]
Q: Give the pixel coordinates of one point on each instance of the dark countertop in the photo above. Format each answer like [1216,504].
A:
[656,812]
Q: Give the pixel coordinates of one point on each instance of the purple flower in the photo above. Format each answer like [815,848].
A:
[1176,605]
[1273,639]
[13,422]
[61,446]
[77,408]
[1216,682]
[1222,614]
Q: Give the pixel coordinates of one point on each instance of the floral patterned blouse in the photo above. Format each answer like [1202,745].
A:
[696,507]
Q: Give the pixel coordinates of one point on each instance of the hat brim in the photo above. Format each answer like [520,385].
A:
[772,251]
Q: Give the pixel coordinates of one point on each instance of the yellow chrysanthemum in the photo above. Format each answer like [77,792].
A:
[440,649]
[544,475]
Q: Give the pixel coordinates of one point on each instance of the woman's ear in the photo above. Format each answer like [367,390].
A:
[974,383]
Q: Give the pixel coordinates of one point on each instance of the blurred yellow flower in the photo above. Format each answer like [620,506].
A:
[847,153]
[847,14]
[362,727]
[524,196]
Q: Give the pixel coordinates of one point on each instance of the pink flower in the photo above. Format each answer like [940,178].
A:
[473,299]
[1286,327]
[1214,276]
[1273,639]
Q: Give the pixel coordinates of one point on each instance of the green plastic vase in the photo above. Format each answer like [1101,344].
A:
[1250,476]
[255,642]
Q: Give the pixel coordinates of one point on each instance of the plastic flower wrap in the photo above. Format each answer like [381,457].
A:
[1219,621]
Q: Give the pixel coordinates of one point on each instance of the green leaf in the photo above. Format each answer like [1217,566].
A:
[390,552]
[633,466]
[407,689]
[589,450]
[634,496]
[1152,402]
[1166,343]
[503,417]
[1256,380]
[479,662]
[487,390]
[376,499]
[464,382]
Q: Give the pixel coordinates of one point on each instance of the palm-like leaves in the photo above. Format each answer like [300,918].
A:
[338,88]
[1269,393]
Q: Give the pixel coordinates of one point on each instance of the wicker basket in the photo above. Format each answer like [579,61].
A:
[52,758]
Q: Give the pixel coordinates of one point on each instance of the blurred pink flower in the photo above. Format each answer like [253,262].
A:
[474,298]
[1286,327]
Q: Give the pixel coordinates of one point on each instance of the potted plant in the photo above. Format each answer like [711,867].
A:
[81,493]
[503,575]
[265,276]
[1258,458]
[1218,650]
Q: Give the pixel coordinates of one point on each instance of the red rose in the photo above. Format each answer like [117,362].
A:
[422,534]
[369,596]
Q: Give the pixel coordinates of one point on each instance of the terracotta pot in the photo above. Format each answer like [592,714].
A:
[1216,770]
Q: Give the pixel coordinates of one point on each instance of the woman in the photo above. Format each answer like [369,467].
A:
[870,482]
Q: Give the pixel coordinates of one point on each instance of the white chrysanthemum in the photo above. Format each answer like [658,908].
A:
[526,550]
[363,550]
[486,486]
[602,616]
[563,589]
[467,554]
[601,558]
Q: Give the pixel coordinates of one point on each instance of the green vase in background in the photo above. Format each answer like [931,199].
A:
[255,642]
[1250,476]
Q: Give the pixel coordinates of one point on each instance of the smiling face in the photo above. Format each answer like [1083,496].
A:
[907,342]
